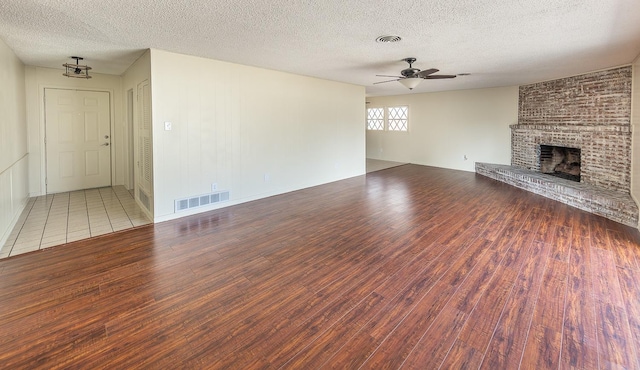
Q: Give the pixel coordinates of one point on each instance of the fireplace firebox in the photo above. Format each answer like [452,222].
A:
[560,161]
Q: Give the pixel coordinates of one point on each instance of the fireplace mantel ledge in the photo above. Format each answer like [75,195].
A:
[572,128]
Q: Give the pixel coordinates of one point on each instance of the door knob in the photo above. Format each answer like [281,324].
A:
[105,144]
[106,136]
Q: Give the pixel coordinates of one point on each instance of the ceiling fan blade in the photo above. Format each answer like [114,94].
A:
[389,76]
[426,72]
[381,82]
[438,77]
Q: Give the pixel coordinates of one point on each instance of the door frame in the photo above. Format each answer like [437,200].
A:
[131,135]
[42,128]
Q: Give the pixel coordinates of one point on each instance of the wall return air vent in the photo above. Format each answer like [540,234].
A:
[201,200]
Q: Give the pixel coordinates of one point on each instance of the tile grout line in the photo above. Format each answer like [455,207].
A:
[105,206]
[82,200]
[46,220]
[125,208]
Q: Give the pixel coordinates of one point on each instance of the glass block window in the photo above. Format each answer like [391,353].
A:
[375,119]
[398,118]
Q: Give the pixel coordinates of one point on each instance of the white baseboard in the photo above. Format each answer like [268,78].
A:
[13,223]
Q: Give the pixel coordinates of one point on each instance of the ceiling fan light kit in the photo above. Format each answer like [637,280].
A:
[410,82]
[411,77]
[76,70]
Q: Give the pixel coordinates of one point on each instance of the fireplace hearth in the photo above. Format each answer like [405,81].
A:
[560,161]
[576,128]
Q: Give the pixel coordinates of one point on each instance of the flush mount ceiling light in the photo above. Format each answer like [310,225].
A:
[389,38]
[76,70]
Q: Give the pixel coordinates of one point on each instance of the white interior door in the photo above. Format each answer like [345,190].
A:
[77,139]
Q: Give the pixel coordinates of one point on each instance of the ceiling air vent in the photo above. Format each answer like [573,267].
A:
[389,38]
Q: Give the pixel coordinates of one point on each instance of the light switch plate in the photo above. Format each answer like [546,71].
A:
[167,126]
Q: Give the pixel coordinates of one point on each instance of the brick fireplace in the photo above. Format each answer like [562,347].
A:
[590,113]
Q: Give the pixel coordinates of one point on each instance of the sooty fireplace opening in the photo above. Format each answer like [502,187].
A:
[560,161]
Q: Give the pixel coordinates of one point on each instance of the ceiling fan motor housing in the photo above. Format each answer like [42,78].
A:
[409,72]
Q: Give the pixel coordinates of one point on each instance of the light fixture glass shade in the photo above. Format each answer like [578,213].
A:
[411,82]
[76,70]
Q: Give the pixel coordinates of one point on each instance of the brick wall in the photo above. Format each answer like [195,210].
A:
[591,112]
[598,98]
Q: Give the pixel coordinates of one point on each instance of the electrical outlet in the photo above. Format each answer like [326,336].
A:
[214,187]
[464,157]
[167,126]
[267,177]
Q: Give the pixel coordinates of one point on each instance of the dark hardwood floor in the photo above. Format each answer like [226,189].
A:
[410,267]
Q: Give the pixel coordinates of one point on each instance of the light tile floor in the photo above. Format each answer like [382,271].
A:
[374,165]
[61,218]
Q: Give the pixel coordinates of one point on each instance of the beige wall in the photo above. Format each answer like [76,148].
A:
[13,141]
[252,131]
[446,126]
[37,79]
[635,123]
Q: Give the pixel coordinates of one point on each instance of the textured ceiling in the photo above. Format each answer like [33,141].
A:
[500,42]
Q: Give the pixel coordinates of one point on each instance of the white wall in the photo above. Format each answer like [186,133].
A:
[635,123]
[252,131]
[445,126]
[37,79]
[13,141]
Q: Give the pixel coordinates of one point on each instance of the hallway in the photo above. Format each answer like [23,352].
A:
[61,218]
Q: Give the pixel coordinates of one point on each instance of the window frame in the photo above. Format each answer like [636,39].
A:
[383,119]
[388,109]
[385,124]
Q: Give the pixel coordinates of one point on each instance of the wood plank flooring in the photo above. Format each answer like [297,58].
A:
[411,267]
